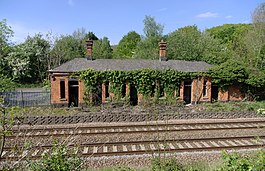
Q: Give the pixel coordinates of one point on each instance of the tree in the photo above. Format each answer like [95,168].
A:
[231,72]
[233,37]
[6,83]
[257,36]
[213,51]
[29,60]
[151,28]
[66,48]
[102,49]
[5,34]
[91,35]
[229,34]
[184,44]
[258,16]
[188,43]
[148,47]
[127,45]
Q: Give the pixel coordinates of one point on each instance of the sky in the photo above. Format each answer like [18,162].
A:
[115,18]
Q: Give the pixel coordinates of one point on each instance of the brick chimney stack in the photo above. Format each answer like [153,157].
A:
[89,45]
[162,51]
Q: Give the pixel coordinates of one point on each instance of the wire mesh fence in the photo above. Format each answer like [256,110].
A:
[26,99]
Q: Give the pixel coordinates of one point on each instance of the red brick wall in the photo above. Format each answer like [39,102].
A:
[127,88]
[197,90]
[232,94]
[55,89]
[104,93]
[235,93]
[81,93]
[56,100]
[181,91]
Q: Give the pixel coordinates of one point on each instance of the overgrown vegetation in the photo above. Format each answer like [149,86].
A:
[147,81]
[8,118]
[242,162]
[224,45]
[229,162]
[49,111]
[60,159]
[233,106]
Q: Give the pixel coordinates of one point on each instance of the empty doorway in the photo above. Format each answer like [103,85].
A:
[73,93]
[214,92]
[133,95]
[187,91]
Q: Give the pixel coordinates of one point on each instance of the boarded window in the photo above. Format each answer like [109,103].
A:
[62,89]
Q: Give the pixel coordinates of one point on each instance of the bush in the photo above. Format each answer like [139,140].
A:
[235,161]
[159,164]
[6,83]
[261,111]
[58,160]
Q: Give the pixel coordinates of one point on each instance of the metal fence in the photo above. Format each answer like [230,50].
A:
[26,99]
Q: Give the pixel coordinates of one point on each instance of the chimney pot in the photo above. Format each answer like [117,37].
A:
[162,50]
[89,45]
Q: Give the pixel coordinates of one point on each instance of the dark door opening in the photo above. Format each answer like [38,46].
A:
[214,92]
[133,95]
[97,95]
[73,93]
[123,91]
[107,89]
[187,91]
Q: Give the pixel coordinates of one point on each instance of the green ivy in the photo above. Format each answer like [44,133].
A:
[229,73]
[144,80]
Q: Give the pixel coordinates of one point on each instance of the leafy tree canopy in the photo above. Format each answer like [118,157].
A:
[6,83]
[29,60]
[230,72]
[67,48]
[148,47]
[5,34]
[229,34]
[102,49]
[189,43]
[127,45]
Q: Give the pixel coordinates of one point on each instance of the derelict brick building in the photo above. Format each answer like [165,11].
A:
[67,91]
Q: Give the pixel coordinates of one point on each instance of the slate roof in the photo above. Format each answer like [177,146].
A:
[79,64]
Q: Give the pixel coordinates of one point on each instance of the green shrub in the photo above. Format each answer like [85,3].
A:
[58,160]
[261,111]
[159,164]
[236,162]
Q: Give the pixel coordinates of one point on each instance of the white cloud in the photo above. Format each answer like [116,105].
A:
[207,15]
[228,16]
[70,3]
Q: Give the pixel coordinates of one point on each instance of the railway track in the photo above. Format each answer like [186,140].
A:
[129,147]
[143,147]
[143,128]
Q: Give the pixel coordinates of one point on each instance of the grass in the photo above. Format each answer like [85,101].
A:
[168,166]
[232,106]
[210,107]
[46,111]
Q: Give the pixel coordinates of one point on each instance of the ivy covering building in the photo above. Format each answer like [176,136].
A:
[89,81]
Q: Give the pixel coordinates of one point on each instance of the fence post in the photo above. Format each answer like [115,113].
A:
[22,99]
